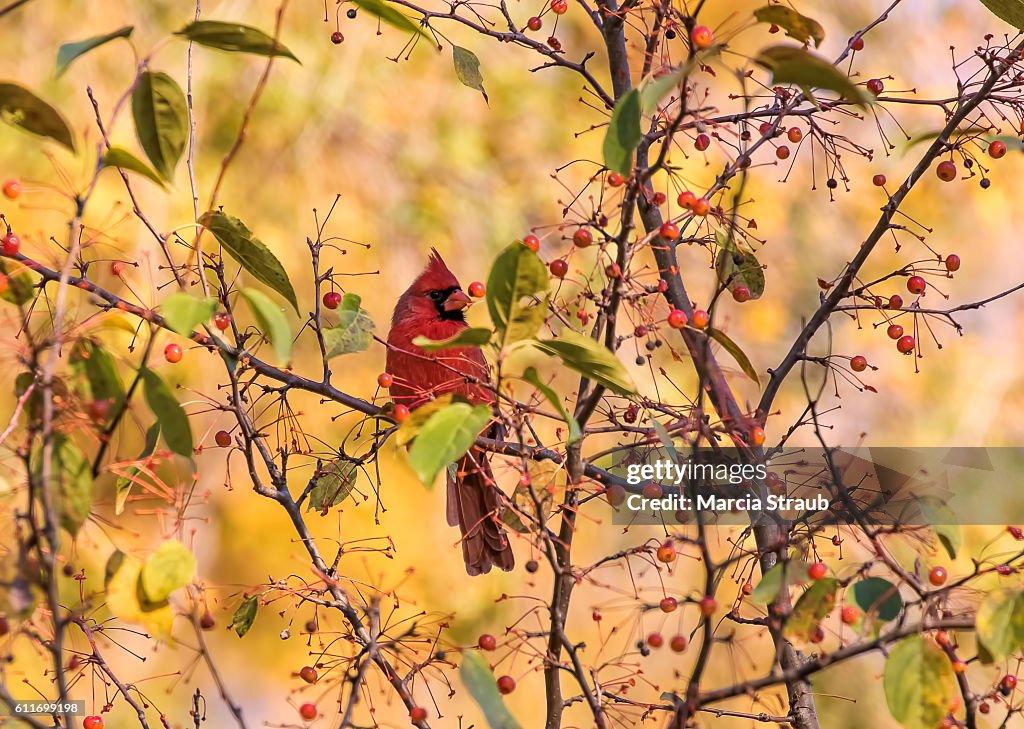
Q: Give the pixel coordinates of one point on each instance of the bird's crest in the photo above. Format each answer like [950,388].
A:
[437,274]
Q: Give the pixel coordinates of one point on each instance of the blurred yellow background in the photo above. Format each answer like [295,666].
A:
[420,161]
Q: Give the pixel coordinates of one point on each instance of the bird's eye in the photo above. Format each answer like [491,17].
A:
[436,295]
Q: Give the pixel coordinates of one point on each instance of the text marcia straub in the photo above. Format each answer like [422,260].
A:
[773,502]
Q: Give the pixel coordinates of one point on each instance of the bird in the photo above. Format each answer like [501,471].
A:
[434,307]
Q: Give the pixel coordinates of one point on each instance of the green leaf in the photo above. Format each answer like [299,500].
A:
[234,37]
[770,585]
[161,120]
[168,411]
[874,594]
[1012,11]
[68,52]
[737,354]
[517,274]
[125,160]
[169,568]
[410,427]
[551,396]
[472,337]
[20,108]
[796,25]
[272,322]
[479,681]
[124,484]
[391,16]
[944,523]
[445,438]
[183,313]
[250,253]
[746,273]
[73,474]
[813,605]
[793,65]
[467,68]
[94,363]
[20,287]
[244,616]
[919,683]
[623,133]
[591,359]
[1000,623]
[354,330]
[656,88]
[334,482]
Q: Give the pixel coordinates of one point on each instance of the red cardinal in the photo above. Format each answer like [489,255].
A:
[433,307]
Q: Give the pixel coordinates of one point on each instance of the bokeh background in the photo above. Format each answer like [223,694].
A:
[420,160]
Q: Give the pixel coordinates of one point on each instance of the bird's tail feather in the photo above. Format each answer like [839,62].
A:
[474,506]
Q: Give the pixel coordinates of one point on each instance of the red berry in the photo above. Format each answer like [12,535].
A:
[878,180]
[615,495]
[747,588]
[1016,532]
[559,7]
[658,198]
[12,244]
[701,206]
[959,666]
[385,380]
[332,299]
[875,86]
[702,142]
[700,318]
[477,290]
[702,37]
[859,363]
[3,282]
[532,242]
[782,151]
[117,268]
[794,134]
[678,643]
[93,722]
[708,605]
[1004,570]
[615,179]
[222,320]
[655,640]
[952,262]
[487,642]
[895,301]
[222,438]
[995,150]
[666,553]
[559,268]
[12,188]
[764,127]
[308,712]
[916,285]
[942,638]
[946,171]
[817,635]
[534,23]
[677,319]
[582,237]
[99,410]
[669,231]
[417,714]
[817,570]
[1009,683]
[858,44]
[984,708]
[741,293]
[336,38]
[308,674]
[937,576]
[895,331]
[757,436]
[668,604]
[400,413]
[172,353]
[652,490]
[506,684]
[905,344]
[686,199]
[849,615]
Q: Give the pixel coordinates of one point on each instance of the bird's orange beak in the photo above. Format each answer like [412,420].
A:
[456,300]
